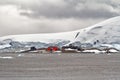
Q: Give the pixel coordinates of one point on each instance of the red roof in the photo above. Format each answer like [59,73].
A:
[52,48]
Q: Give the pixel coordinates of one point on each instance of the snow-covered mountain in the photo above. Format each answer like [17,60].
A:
[105,33]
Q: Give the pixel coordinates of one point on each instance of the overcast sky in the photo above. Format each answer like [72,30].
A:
[40,16]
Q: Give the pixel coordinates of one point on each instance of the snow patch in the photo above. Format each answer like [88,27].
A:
[20,55]
[113,51]
[93,51]
[4,46]
[6,57]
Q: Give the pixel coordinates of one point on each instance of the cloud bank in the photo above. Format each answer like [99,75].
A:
[39,16]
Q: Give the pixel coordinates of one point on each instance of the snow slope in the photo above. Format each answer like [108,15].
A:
[105,33]
[45,38]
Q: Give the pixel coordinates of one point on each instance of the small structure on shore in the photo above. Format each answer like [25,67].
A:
[75,49]
[52,48]
[35,50]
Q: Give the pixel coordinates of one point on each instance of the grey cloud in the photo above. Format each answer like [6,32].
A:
[103,10]
[39,16]
[67,8]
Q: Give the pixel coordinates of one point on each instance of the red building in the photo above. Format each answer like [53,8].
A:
[52,48]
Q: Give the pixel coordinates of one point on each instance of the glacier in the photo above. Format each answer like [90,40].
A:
[103,34]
